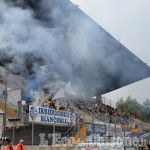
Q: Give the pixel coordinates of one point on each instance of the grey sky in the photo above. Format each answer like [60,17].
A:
[129,22]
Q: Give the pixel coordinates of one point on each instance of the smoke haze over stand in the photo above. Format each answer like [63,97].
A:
[129,23]
[56,36]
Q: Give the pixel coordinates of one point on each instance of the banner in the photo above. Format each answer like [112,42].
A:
[98,129]
[111,129]
[47,115]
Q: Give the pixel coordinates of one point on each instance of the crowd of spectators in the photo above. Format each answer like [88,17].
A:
[109,113]
[50,103]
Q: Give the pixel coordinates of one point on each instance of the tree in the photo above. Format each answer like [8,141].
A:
[146,103]
[130,105]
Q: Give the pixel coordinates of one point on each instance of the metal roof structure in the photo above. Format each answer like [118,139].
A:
[113,65]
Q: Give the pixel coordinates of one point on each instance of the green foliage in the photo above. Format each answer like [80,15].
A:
[129,105]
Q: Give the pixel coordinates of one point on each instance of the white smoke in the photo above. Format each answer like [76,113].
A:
[53,38]
[22,34]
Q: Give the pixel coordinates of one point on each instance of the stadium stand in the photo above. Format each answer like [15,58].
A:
[108,114]
[102,112]
[98,111]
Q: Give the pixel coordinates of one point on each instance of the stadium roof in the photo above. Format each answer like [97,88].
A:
[114,66]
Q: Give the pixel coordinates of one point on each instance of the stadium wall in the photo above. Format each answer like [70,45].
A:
[25,133]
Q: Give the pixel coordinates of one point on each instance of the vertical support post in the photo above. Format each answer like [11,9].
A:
[115,130]
[32,132]
[14,130]
[21,108]
[79,131]
[110,117]
[124,130]
[105,120]
[92,125]
[5,109]
[54,142]
[78,126]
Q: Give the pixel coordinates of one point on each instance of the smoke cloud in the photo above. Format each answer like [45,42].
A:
[45,44]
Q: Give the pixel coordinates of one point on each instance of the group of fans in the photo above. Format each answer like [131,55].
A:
[9,145]
[49,103]
[100,109]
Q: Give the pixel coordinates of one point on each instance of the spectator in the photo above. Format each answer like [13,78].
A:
[28,103]
[20,146]
[68,106]
[9,145]
[62,108]
[52,104]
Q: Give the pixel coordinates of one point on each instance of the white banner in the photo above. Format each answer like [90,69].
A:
[47,115]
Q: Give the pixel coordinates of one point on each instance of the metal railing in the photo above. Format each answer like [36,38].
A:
[72,130]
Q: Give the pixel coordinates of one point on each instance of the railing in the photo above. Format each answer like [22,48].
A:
[74,129]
